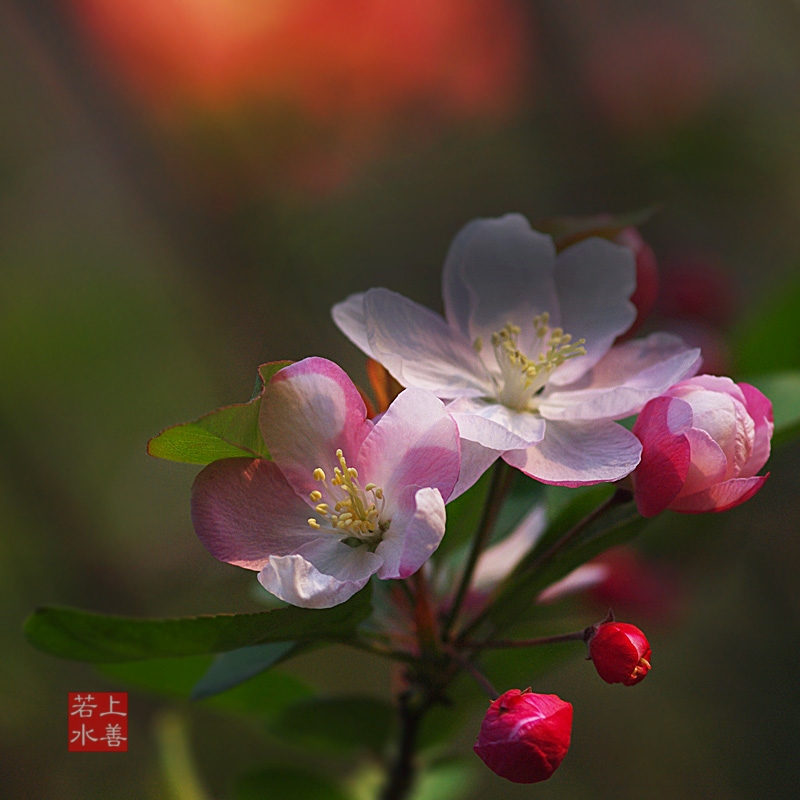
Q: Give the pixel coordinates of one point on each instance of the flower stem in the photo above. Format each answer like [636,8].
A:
[619,497]
[575,636]
[402,772]
[425,618]
[479,677]
[501,483]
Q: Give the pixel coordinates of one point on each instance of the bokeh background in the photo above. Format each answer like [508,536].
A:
[187,186]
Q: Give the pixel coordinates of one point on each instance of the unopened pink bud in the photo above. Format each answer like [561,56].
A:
[703,441]
[525,736]
[620,652]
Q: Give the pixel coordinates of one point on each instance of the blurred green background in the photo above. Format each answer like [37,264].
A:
[186,187]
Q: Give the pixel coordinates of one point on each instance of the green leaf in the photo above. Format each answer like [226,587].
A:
[237,666]
[783,389]
[768,340]
[86,636]
[337,724]
[229,432]
[264,695]
[287,783]
[447,780]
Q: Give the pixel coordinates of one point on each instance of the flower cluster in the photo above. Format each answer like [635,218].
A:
[530,364]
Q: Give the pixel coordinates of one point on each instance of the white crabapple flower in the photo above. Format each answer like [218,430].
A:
[524,356]
[344,498]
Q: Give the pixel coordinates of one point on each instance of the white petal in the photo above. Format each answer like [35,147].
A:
[499,271]
[322,575]
[498,561]
[475,460]
[496,426]
[419,348]
[413,535]
[595,279]
[580,579]
[579,453]
[624,380]
[349,317]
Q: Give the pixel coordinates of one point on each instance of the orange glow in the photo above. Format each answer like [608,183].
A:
[327,58]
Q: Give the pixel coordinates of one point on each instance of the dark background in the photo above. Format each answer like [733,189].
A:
[164,230]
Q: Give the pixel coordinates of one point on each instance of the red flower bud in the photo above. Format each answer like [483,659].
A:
[525,736]
[621,653]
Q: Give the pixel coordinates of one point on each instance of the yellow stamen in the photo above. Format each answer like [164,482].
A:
[522,376]
[356,514]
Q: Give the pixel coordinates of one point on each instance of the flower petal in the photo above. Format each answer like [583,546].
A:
[419,348]
[414,534]
[581,578]
[594,279]
[760,409]
[244,511]
[324,574]
[415,443]
[720,497]
[308,411]
[475,460]
[662,428]
[498,561]
[718,409]
[496,426]
[499,271]
[708,463]
[350,319]
[579,453]
[624,380]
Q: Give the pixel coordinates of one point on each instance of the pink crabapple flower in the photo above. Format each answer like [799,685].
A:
[525,736]
[620,653]
[344,498]
[703,442]
[524,354]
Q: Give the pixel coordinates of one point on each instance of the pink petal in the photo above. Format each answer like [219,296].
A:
[621,383]
[579,453]
[713,383]
[760,409]
[244,511]
[415,533]
[708,464]
[308,411]
[415,443]
[719,497]
[499,271]
[595,279]
[723,417]
[666,453]
[495,426]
